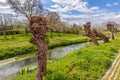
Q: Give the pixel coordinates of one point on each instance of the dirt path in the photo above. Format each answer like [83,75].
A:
[114,72]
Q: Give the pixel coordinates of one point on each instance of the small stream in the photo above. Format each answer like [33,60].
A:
[9,70]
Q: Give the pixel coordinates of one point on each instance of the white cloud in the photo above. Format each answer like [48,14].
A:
[5,8]
[94,18]
[113,4]
[116,3]
[3,1]
[108,4]
[65,6]
[55,6]
[69,5]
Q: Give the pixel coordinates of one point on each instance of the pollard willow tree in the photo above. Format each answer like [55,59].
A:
[90,33]
[93,33]
[39,30]
[112,27]
[100,35]
[37,24]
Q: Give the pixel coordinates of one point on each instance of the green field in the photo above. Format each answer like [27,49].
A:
[20,44]
[89,63]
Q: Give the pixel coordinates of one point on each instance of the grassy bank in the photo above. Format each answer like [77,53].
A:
[20,44]
[89,63]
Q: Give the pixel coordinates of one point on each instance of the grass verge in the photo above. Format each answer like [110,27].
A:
[20,44]
[89,63]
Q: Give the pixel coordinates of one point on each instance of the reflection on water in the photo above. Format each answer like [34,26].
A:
[10,70]
[61,52]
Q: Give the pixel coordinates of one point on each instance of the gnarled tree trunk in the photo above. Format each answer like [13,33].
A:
[38,26]
[101,35]
[90,33]
[51,35]
[112,36]
[111,28]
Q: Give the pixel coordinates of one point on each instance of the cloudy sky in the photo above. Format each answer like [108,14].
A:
[80,11]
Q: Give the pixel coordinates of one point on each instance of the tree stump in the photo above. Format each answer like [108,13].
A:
[101,35]
[38,26]
[90,33]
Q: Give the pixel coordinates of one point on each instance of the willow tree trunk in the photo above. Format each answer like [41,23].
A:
[90,33]
[111,28]
[59,34]
[94,40]
[42,59]
[4,34]
[13,34]
[112,36]
[38,26]
[77,33]
[101,35]
[104,38]
[51,35]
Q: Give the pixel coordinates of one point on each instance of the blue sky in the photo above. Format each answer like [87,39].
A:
[109,5]
[80,11]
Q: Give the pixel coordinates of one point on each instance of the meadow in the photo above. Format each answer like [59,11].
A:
[18,44]
[89,63]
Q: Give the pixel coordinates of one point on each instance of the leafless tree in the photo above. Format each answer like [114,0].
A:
[59,26]
[39,30]
[28,8]
[24,25]
[3,22]
[76,29]
[64,27]
[90,33]
[31,8]
[53,21]
[11,22]
[112,27]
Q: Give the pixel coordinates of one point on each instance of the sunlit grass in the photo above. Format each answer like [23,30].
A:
[89,63]
[20,44]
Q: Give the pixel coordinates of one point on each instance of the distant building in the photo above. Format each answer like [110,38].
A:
[6,28]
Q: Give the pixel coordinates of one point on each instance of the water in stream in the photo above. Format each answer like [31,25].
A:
[9,70]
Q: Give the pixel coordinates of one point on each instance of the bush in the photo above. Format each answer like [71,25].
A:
[11,32]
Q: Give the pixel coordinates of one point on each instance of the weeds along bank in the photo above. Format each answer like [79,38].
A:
[89,63]
[20,44]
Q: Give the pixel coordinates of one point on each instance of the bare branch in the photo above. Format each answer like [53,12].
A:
[28,7]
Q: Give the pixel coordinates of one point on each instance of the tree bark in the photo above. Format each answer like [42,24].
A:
[111,28]
[90,33]
[51,36]
[93,38]
[59,33]
[42,61]
[101,35]
[38,26]
[112,36]
[4,34]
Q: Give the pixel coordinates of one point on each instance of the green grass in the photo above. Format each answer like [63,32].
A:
[20,44]
[89,63]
